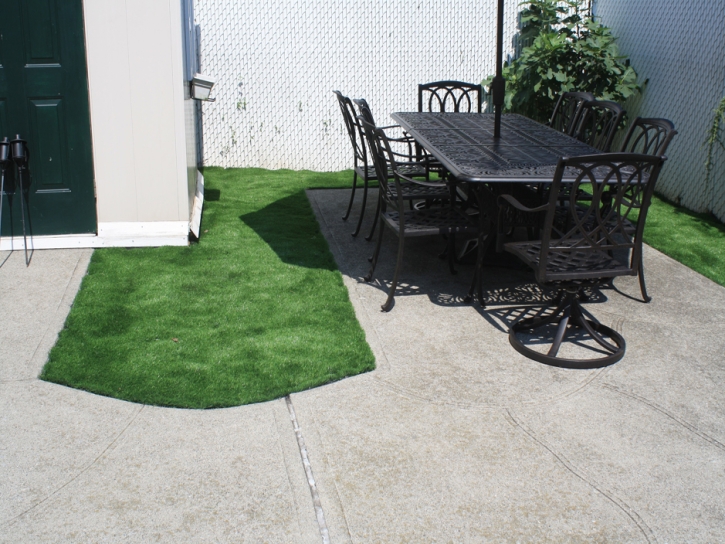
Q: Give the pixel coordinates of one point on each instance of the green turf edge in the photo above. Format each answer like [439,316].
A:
[696,240]
[138,329]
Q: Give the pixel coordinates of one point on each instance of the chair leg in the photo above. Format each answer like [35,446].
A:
[451,251]
[484,240]
[374,258]
[593,329]
[377,214]
[560,332]
[352,195]
[391,294]
[362,209]
[640,275]
[568,314]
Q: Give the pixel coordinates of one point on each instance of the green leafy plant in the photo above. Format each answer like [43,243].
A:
[714,136]
[563,49]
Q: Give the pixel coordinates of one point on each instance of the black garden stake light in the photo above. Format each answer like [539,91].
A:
[4,162]
[21,155]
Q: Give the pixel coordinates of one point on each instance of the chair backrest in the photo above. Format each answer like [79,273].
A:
[567,110]
[354,130]
[621,187]
[451,96]
[364,109]
[598,123]
[385,163]
[404,145]
[649,136]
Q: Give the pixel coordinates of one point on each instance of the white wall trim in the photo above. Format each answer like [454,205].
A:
[198,205]
[121,234]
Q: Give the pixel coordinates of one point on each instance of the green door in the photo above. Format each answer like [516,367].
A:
[44,98]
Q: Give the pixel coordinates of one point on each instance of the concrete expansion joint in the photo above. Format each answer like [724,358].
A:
[646,531]
[654,406]
[319,513]
[618,324]
[19,380]
[82,471]
[488,406]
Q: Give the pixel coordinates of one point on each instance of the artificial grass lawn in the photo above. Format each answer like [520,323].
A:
[254,311]
[696,240]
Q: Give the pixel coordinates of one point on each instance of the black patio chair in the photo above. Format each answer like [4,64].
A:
[361,168]
[567,110]
[598,123]
[564,118]
[651,136]
[450,96]
[596,248]
[446,220]
[409,164]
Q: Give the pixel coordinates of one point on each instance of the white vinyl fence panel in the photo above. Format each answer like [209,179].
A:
[278,61]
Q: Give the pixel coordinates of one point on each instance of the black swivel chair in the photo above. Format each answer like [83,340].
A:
[596,246]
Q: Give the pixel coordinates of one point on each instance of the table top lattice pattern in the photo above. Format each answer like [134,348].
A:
[527,151]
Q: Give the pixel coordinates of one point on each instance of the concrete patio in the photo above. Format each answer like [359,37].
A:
[454,437]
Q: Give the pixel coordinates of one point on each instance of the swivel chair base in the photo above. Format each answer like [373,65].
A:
[568,314]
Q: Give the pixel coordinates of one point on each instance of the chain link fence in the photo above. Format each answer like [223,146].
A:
[680,48]
[278,61]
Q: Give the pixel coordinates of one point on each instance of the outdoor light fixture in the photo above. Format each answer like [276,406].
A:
[4,153]
[201,87]
[21,155]
[4,161]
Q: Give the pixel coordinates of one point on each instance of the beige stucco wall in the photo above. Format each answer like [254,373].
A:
[136,90]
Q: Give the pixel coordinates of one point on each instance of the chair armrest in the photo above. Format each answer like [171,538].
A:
[409,157]
[421,182]
[516,204]
[402,139]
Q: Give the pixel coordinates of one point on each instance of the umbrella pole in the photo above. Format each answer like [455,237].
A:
[498,85]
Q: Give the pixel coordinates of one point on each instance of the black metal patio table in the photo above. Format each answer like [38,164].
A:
[526,152]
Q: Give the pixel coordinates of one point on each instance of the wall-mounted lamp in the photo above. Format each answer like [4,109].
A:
[201,87]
